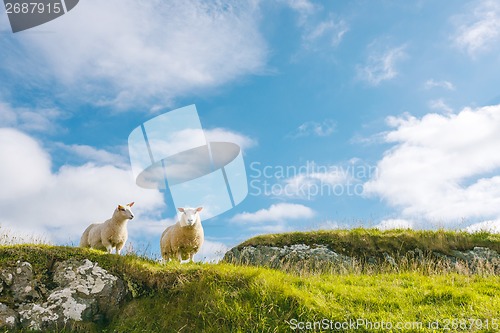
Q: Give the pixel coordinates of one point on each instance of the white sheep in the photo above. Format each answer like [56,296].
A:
[111,234]
[183,239]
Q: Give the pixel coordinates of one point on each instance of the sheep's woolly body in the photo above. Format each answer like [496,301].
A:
[109,235]
[180,242]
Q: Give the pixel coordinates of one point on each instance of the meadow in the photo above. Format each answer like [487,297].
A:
[222,297]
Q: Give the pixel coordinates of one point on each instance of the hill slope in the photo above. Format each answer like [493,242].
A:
[229,298]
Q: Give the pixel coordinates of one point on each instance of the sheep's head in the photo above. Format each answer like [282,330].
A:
[125,212]
[189,216]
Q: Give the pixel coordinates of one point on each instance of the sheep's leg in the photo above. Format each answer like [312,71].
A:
[107,244]
[119,248]
[166,256]
[166,259]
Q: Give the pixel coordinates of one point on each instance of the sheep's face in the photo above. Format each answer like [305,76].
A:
[189,216]
[125,212]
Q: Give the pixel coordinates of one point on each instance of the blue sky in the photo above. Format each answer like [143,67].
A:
[361,113]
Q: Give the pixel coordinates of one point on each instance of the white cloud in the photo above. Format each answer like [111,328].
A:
[11,237]
[31,120]
[303,7]
[492,226]
[329,32]
[211,251]
[25,167]
[429,84]
[276,213]
[440,104]
[147,228]
[395,224]
[479,29]
[144,233]
[311,180]
[226,135]
[313,128]
[98,156]
[140,50]
[442,167]
[381,65]
[62,204]
[312,184]
[169,143]
[277,227]
[318,31]
[328,225]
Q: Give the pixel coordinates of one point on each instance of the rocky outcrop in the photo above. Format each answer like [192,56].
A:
[297,255]
[79,291]
[321,258]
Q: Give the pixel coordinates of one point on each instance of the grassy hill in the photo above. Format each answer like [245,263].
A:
[229,298]
[362,242]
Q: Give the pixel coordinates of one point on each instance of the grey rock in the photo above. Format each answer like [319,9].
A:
[57,311]
[8,317]
[22,285]
[90,281]
[86,292]
[7,277]
[296,256]
[478,259]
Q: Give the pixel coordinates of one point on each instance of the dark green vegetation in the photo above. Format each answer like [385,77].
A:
[229,298]
[373,242]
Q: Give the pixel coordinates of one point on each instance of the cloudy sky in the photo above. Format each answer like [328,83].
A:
[361,113]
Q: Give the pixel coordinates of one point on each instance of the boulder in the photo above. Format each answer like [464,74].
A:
[84,292]
[8,317]
[21,283]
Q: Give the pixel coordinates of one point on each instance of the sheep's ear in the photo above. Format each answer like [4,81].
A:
[199,209]
[180,209]
[120,207]
[131,204]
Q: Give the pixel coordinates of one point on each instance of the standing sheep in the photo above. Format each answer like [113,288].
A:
[110,234]
[183,239]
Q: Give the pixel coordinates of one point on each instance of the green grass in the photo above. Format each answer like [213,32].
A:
[362,242]
[228,298]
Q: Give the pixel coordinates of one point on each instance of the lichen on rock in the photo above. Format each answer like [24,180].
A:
[8,317]
[22,285]
[84,292]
